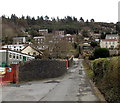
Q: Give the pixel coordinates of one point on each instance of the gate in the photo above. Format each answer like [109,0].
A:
[6,75]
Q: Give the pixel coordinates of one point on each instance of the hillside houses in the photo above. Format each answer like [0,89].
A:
[43,32]
[19,40]
[111,41]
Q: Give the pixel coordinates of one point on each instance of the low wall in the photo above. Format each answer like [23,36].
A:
[41,69]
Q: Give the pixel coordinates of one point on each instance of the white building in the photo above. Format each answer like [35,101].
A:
[112,36]
[19,40]
[13,57]
[109,43]
[43,31]
[15,47]
[39,39]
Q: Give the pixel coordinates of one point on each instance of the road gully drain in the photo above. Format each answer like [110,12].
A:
[53,81]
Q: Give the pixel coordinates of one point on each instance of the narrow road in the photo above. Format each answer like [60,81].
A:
[74,86]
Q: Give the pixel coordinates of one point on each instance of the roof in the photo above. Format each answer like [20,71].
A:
[19,37]
[112,35]
[109,40]
[3,49]
[38,37]
[33,48]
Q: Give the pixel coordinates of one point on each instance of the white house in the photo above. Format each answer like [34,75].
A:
[19,40]
[15,47]
[13,57]
[39,39]
[109,43]
[112,36]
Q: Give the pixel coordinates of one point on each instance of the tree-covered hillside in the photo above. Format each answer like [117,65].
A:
[16,26]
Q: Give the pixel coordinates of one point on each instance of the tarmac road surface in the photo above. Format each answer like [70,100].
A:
[73,86]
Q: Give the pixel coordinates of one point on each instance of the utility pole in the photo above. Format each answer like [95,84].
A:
[7,52]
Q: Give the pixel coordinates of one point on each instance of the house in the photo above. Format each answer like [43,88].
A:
[30,50]
[70,38]
[15,47]
[13,57]
[19,40]
[95,35]
[112,36]
[59,32]
[86,38]
[43,31]
[39,39]
[109,43]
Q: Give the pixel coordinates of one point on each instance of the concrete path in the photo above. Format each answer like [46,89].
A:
[74,86]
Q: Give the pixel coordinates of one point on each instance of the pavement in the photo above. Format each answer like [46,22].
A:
[73,86]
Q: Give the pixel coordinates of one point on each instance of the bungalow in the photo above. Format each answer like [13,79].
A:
[13,57]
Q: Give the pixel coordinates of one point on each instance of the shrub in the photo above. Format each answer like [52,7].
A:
[101,53]
[106,77]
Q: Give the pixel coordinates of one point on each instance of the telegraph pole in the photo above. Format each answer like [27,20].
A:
[7,52]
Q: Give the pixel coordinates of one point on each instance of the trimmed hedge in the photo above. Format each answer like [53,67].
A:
[41,69]
[106,76]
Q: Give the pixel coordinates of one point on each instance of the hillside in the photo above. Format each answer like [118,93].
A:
[16,26]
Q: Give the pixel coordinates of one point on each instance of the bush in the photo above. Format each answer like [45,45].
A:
[106,77]
[101,53]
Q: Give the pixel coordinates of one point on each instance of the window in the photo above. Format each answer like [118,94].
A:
[14,56]
[34,53]
[10,55]
[20,57]
[28,53]
[17,57]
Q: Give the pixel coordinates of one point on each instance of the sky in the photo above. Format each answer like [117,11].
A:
[100,10]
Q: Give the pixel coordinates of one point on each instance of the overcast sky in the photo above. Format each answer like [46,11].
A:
[100,10]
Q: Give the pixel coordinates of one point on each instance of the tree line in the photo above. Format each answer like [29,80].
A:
[71,25]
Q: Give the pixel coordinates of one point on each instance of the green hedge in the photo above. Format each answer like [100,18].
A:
[106,76]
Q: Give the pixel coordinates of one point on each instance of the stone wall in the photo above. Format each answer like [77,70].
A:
[41,69]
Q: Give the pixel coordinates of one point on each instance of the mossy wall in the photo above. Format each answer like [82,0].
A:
[106,76]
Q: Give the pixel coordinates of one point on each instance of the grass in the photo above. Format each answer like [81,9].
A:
[88,69]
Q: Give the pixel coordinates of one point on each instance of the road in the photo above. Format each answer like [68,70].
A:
[73,86]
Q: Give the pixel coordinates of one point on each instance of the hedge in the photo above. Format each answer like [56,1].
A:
[106,77]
